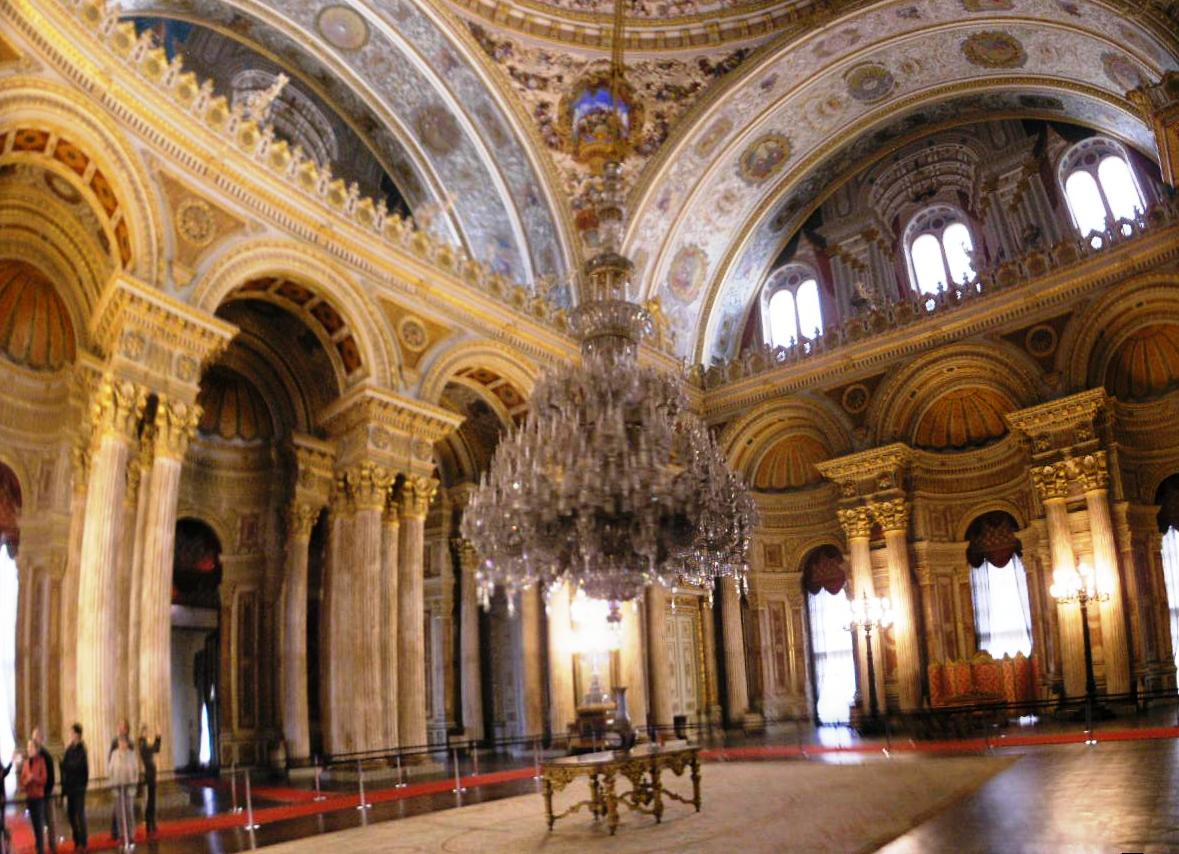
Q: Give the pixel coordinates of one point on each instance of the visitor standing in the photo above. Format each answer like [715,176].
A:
[50,783]
[75,775]
[5,836]
[147,755]
[32,779]
[124,732]
[124,776]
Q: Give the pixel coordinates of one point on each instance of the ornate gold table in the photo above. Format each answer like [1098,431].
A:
[642,766]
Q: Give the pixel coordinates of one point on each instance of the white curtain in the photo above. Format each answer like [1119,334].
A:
[1171,578]
[1002,616]
[8,598]
[831,656]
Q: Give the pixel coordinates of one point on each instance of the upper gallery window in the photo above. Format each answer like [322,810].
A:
[792,307]
[940,249]
[1100,186]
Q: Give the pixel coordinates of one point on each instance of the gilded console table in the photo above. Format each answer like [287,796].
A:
[643,767]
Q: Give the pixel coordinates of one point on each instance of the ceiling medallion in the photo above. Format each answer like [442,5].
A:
[764,158]
[194,222]
[413,334]
[601,120]
[994,49]
[342,27]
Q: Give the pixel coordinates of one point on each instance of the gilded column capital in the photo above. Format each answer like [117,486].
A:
[468,557]
[302,519]
[1051,481]
[116,407]
[891,514]
[855,522]
[175,425]
[1090,472]
[416,494]
[80,465]
[368,485]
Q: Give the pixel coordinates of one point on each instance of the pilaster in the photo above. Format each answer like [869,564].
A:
[1159,105]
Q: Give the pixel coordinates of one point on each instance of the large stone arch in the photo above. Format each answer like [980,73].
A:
[1093,338]
[907,395]
[45,106]
[725,175]
[312,269]
[989,505]
[505,361]
[800,430]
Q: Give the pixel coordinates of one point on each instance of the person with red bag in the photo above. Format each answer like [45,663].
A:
[33,777]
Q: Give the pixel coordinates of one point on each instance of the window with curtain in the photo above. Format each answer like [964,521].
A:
[999,592]
[940,250]
[8,597]
[833,668]
[1171,579]
[792,306]
[1100,187]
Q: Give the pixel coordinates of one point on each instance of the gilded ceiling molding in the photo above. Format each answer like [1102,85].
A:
[261,258]
[492,355]
[66,114]
[749,434]
[1092,339]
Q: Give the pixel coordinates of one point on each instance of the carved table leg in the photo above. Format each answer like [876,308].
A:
[696,783]
[596,806]
[611,801]
[548,802]
[657,792]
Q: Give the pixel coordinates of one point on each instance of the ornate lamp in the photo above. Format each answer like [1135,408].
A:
[1080,585]
[868,613]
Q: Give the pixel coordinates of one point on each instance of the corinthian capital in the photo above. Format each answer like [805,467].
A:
[302,519]
[1090,472]
[1051,481]
[116,407]
[855,521]
[892,515]
[368,485]
[176,424]
[416,494]
[468,557]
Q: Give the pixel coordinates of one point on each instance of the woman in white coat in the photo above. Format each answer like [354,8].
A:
[124,775]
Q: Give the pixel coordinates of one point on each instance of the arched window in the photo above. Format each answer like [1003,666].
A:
[792,308]
[998,582]
[1100,187]
[940,249]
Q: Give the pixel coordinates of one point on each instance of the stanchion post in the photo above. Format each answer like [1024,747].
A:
[400,773]
[536,759]
[319,795]
[235,809]
[458,780]
[474,757]
[364,804]
[250,825]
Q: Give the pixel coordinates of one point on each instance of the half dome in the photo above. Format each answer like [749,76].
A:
[35,326]
[789,464]
[963,418]
[233,408]
[1146,364]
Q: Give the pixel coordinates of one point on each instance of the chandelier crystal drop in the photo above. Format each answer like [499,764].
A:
[611,483]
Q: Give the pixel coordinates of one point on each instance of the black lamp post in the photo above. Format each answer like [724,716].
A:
[868,613]
[1080,585]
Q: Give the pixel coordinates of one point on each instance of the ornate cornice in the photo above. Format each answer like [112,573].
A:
[314,469]
[1061,423]
[155,339]
[870,471]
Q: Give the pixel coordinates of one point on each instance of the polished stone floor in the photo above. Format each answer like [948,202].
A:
[1119,795]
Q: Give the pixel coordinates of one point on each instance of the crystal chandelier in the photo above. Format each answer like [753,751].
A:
[611,483]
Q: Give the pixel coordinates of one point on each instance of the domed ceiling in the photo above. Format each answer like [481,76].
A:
[233,408]
[35,326]
[1146,364]
[789,464]
[963,418]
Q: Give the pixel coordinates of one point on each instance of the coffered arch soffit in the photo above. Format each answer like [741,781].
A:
[1005,378]
[723,175]
[746,441]
[459,363]
[96,161]
[1098,335]
[308,269]
[433,101]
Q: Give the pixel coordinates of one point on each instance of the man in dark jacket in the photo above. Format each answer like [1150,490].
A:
[75,774]
[147,755]
[50,782]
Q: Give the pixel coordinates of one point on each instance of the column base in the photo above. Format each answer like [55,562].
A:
[753,723]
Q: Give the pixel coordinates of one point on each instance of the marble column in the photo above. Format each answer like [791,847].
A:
[296,716]
[562,686]
[1113,613]
[416,494]
[736,682]
[175,424]
[368,487]
[337,658]
[80,458]
[390,606]
[532,674]
[632,655]
[469,664]
[893,517]
[137,501]
[857,526]
[659,710]
[1052,485]
[115,409]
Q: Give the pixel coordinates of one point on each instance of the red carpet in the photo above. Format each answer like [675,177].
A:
[300,802]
